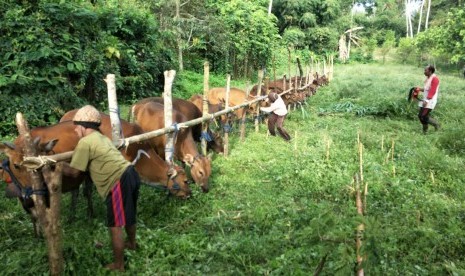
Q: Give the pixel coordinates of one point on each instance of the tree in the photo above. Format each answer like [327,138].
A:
[388,44]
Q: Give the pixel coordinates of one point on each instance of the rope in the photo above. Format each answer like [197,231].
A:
[206,136]
[227,128]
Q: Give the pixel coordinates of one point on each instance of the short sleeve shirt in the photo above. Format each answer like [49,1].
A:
[97,154]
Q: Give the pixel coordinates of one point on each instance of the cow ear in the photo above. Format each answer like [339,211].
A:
[172,172]
[189,159]
[49,145]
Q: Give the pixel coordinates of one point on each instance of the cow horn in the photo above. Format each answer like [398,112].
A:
[36,141]
[172,172]
[10,145]
[49,145]
[189,159]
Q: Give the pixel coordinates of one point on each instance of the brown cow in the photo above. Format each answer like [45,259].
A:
[237,96]
[151,170]
[191,112]
[150,116]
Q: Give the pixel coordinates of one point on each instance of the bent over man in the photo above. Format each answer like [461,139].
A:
[116,180]
[278,112]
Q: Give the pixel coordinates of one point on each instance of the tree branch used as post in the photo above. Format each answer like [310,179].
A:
[226,133]
[168,111]
[260,79]
[49,225]
[206,76]
[116,132]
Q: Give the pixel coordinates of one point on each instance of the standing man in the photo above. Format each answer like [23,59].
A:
[278,112]
[431,92]
[116,180]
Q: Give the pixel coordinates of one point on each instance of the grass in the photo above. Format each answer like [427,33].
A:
[281,208]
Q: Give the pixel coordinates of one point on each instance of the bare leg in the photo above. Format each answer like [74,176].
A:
[131,232]
[117,242]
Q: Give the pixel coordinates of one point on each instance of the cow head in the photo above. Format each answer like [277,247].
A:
[200,169]
[216,143]
[178,183]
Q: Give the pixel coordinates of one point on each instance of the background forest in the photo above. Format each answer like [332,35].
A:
[54,54]
[275,208]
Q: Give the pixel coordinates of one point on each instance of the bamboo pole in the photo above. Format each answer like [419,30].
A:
[247,93]
[116,131]
[260,79]
[392,159]
[168,114]
[206,76]
[360,227]
[226,133]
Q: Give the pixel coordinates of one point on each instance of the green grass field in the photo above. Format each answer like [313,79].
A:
[278,208]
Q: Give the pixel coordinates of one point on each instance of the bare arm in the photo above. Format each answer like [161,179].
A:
[70,171]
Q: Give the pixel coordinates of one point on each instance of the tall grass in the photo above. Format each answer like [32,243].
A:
[282,208]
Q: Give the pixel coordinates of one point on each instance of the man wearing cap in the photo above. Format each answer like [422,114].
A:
[116,180]
[431,92]
[278,112]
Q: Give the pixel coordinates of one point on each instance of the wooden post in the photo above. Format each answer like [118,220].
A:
[116,132]
[247,93]
[50,225]
[260,79]
[206,76]
[53,225]
[226,133]
[361,206]
[167,102]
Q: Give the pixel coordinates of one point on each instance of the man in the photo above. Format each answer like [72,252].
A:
[116,180]
[278,112]
[431,92]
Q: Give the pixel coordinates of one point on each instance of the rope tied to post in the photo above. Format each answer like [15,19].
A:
[37,162]
[206,136]
[227,128]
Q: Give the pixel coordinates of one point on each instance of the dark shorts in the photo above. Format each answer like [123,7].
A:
[122,200]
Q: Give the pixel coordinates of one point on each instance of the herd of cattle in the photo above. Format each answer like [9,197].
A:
[148,115]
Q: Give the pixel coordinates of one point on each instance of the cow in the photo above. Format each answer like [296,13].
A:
[150,116]
[191,111]
[152,168]
[217,95]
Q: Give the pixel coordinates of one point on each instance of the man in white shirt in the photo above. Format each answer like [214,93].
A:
[278,112]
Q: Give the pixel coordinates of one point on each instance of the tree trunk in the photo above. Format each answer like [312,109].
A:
[48,221]
[427,15]
[179,38]
[421,14]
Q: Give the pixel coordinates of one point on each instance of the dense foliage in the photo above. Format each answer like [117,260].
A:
[285,208]
[54,56]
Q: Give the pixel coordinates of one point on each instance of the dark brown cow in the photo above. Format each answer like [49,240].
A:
[150,116]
